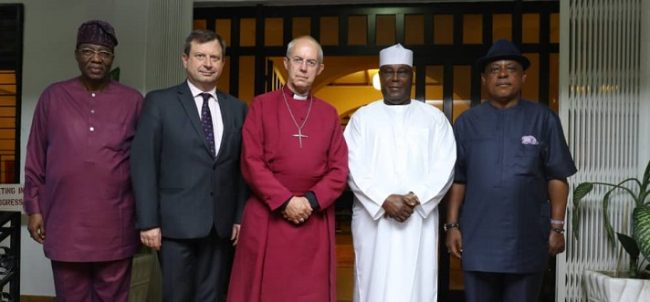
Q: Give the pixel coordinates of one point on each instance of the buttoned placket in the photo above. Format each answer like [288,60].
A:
[91,116]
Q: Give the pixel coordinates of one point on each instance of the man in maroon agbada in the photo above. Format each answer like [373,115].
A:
[294,158]
[77,189]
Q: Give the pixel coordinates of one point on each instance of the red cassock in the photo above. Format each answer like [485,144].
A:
[277,260]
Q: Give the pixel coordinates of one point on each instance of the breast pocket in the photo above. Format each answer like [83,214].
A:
[528,159]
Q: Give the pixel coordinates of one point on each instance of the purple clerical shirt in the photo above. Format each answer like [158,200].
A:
[77,171]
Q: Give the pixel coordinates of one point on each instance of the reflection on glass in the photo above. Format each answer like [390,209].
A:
[222,27]
[301,27]
[414,29]
[223,83]
[385,30]
[273,31]
[443,29]
[246,78]
[555,28]
[7,126]
[199,24]
[357,30]
[247,32]
[530,30]
[433,85]
[462,89]
[501,26]
[530,90]
[329,31]
[472,29]
[553,80]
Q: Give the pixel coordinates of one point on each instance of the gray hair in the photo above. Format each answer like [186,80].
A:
[308,38]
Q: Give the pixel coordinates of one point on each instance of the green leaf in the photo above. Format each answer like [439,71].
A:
[608,224]
[629,245]
[578,194]
[581,191]
[643,191]
[641,229]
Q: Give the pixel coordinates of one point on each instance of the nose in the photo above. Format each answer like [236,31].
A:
[503,72]
[96,57]
[303,65]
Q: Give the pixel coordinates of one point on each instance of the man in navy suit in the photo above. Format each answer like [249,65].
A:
[507,204]
[185,172]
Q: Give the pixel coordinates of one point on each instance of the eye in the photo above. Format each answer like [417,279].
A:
[86,52]
[312,63]
[403,73]
[105,54]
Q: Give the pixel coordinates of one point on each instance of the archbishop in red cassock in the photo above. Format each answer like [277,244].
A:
[294,158]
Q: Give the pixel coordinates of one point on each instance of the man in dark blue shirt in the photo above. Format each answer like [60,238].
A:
[508,201]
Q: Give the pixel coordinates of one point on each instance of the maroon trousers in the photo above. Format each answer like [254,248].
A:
[92,281]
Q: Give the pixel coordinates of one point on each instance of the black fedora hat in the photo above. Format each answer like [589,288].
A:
[502,50]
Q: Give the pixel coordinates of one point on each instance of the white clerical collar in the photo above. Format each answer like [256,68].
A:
[300,97]
[196,91]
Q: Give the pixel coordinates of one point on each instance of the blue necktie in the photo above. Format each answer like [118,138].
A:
[206,122]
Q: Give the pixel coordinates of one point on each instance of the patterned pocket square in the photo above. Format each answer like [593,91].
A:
[528,140]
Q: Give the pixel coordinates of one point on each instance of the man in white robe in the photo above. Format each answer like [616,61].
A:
[401,158]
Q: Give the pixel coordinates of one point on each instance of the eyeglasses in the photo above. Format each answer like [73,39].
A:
[89,52]
[389,73]
[311,63]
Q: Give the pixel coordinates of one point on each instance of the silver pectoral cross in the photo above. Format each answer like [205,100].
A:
[299,136]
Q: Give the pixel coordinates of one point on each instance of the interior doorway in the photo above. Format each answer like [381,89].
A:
[447,39]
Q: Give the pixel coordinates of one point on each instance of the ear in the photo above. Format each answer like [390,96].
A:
[286,63]
[483,79]
[321,67]
[184,58]
[523,77]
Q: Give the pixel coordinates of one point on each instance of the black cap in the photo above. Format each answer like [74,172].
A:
[502,50]
[97,32]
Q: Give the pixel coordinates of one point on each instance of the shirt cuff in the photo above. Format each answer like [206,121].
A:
[313,202]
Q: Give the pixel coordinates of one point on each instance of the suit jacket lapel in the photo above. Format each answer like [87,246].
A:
[187,101]
[226,119]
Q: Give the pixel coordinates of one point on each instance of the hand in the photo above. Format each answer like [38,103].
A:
[411,200]
[151,238]
[35,227]
[298,210]
[235,234]
[455,242]
[397,208]
[556,243]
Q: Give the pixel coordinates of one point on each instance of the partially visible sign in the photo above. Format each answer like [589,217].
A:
[11,197]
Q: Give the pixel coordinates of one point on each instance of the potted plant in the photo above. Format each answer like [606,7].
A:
[637,246]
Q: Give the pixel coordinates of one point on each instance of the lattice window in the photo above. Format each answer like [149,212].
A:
[600,104]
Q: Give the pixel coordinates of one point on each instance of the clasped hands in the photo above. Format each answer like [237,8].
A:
[400,207]
[298,210]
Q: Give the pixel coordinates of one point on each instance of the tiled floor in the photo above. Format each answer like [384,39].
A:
[345,268]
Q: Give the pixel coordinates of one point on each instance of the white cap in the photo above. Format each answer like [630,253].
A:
[396,55]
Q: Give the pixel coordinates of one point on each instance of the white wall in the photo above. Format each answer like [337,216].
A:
[49,40]
[644,125]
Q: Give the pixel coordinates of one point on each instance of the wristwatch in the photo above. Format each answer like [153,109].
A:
[448,226]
